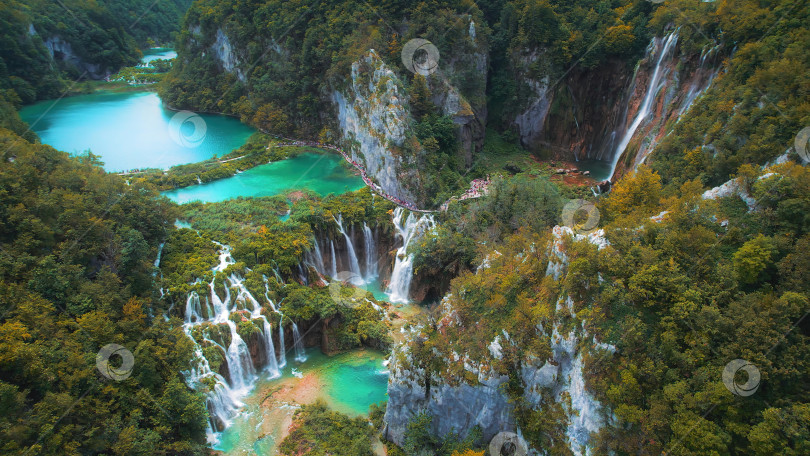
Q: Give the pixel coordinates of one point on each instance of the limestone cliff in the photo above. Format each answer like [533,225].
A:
[374,117]
[470,391]
[610,113]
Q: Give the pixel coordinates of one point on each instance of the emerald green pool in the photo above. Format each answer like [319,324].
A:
[132,130]
[321,173]
[349,382]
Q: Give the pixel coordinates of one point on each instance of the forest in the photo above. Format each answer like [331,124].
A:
[46,46]
[672,285]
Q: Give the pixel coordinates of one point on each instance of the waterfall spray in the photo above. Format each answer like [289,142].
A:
[647,104]
[408,229]
[300,356]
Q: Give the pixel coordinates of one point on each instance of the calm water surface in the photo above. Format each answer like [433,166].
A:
[132,130]
[157,53]
[321,173]
[349,382]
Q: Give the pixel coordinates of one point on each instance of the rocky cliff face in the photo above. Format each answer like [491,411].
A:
[374,117]
[225,55]
[458,88]
[591,114]
[471,392]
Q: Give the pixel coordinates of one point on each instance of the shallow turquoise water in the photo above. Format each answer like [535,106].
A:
[158,53]
[321,173]
[350,382]
[132,130]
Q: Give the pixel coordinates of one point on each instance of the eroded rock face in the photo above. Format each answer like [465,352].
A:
[373,117]
[224,52]
[453,408]
[61,50]
[479,399]
[585,114]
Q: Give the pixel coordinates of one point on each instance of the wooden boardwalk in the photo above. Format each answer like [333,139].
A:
[478,187]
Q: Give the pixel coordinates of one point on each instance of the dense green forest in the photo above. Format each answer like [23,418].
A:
[681,285]
[46,45]
[76,253]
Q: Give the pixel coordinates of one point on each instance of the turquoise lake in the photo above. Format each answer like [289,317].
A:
[158,53]
[133,130]
[348,382]
[321,173]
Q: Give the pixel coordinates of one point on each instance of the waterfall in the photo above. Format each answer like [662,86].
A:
[240,366]
[371,254]
[193,310]
[222,396]
[647,103]
[354,265]
[334,259]
[282,356]
[318,257]
[408,229]
[221,402]
[272,361]
[300,356]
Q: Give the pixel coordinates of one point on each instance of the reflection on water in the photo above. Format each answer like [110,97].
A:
[129,130]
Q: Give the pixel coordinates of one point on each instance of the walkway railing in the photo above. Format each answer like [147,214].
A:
[478,187]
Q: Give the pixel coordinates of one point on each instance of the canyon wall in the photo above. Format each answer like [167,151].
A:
[472,391]
[611,113]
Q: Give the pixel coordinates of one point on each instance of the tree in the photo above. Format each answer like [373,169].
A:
[753,259]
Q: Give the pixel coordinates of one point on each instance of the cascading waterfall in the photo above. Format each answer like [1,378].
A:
[647,103]
[318,257]
[223,396]
[193,312]
[363,270]
[300,355]
[282,356]
[354,265]
[334,259]
[371,254]
[240,365]
[408,229]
